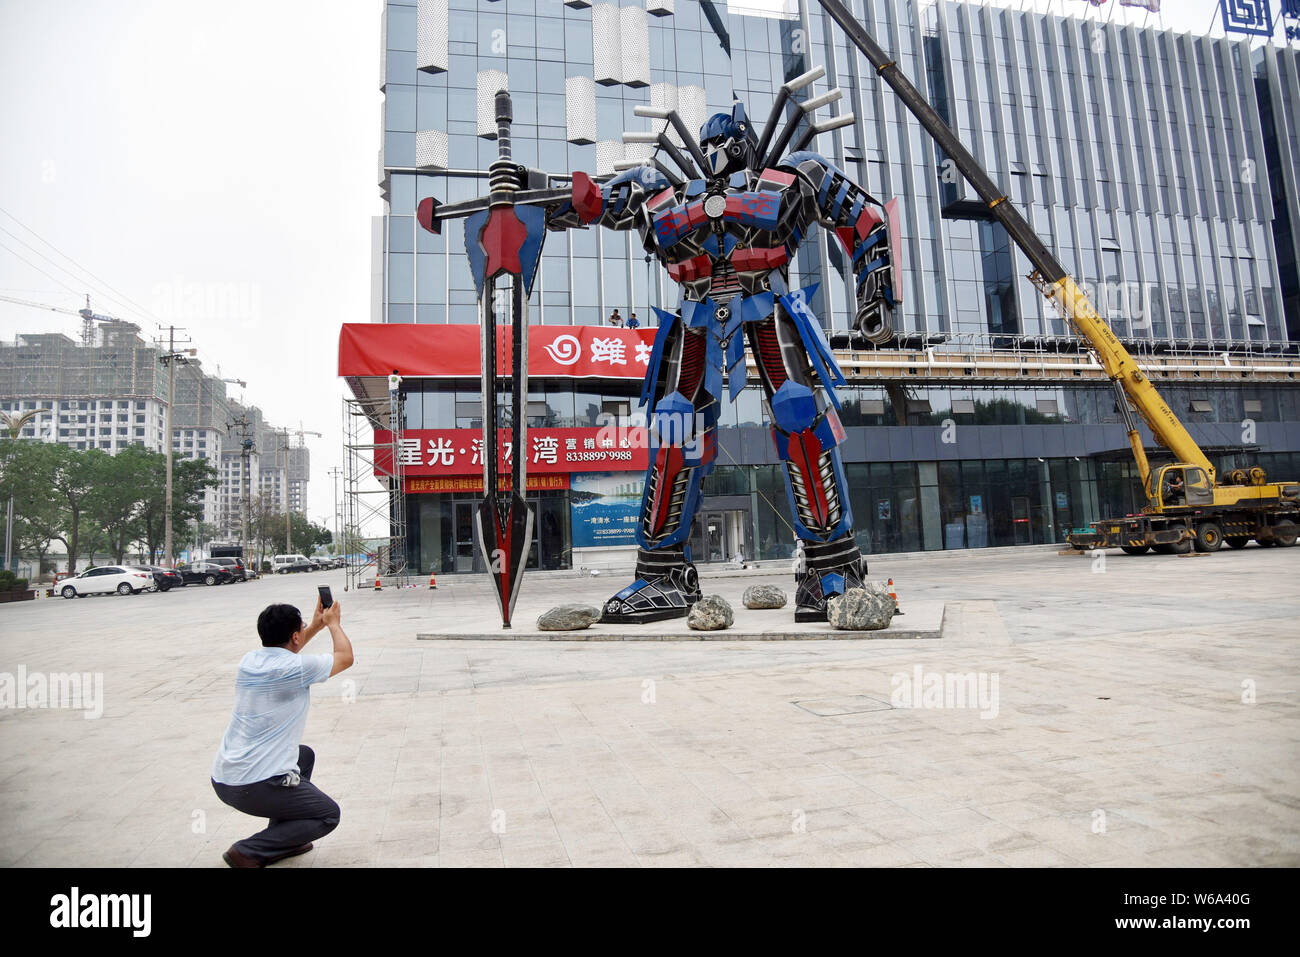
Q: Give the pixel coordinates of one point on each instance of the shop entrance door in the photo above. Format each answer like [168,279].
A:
[467,559]
[1020,520]
[719,535]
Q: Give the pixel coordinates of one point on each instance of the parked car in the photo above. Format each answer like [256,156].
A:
[164,579]
[206,573]
[284,564]
[235,565]
[105,580]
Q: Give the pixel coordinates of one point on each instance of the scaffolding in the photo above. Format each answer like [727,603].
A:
[374,492]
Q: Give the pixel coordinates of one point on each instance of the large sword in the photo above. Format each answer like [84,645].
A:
[503,240]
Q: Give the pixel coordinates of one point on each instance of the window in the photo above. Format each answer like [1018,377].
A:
[619,410]
[959,406]
[1047,406]
[1254,405]
[1201,405]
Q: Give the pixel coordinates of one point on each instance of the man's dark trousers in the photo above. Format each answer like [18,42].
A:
[297,815]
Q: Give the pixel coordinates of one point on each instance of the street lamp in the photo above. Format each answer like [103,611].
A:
[14,425]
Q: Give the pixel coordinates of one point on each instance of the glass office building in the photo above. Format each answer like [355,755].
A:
[1162,168]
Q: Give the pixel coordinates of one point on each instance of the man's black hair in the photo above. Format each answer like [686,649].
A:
[277,623]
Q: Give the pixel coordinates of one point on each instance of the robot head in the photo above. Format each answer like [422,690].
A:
[728,142]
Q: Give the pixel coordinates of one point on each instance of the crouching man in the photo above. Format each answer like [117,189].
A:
[261,768]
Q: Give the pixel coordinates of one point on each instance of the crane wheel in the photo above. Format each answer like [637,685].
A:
[1285,532]
[1209,537]
[1236,541]
[1135,549]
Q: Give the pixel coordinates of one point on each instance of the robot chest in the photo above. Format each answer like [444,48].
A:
[738,214]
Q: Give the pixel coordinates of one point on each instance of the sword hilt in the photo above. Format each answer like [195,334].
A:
[503,174]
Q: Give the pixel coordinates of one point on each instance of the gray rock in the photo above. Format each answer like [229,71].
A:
[710,613]
[868,608]
[763,596]
[568,618]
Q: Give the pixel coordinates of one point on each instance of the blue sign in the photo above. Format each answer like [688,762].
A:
[606,507]
[1251,17]
[1291,11]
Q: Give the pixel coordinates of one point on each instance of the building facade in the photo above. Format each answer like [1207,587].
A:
[1162,168]
[273,469]
[112,392]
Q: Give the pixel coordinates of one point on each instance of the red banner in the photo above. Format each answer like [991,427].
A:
[459,451]
[468,483]
[452,351]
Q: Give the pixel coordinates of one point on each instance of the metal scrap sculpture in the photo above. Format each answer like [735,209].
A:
[726,225]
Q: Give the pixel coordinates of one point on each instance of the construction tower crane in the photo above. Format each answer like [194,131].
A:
[88,316]
[1187,505]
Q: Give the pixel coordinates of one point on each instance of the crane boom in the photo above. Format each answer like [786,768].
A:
[1052,278]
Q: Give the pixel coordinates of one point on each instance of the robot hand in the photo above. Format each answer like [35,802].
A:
[874,313]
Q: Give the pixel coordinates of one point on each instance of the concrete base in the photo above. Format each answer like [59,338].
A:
[923,619]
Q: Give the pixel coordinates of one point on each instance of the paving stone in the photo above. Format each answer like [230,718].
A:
[713,769]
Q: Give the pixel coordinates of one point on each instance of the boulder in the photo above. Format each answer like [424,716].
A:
[868,608]
[710,613]
[568,618]
[763,596]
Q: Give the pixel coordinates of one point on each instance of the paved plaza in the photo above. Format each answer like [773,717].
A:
[1141,712]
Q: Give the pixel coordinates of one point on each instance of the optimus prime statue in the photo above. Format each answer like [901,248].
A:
[726,225]
[726,235]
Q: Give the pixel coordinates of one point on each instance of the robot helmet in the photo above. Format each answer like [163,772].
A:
[728,142]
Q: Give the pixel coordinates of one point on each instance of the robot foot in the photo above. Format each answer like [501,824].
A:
[666,586]
[832,569]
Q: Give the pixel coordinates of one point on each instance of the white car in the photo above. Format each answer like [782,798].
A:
[284,564]
[105,580]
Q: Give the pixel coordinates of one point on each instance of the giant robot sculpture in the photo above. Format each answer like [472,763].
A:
[726,227]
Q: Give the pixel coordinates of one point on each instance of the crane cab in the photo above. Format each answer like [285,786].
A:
[1178,486]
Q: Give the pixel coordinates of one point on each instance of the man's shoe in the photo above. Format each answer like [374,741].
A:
[235,859]
[302,849]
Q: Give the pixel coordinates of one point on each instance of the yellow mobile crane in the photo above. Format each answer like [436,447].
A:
[1187,506]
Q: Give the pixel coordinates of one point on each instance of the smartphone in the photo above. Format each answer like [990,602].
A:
[326,599]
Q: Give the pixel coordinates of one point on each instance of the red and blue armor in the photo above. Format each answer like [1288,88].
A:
[726,236]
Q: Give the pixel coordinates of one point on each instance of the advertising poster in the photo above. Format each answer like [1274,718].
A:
[606,507]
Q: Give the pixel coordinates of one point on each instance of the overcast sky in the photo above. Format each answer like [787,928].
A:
[227,150]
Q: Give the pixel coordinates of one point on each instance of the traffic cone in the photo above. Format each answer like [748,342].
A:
[894,595]
[378,587]
[433,582]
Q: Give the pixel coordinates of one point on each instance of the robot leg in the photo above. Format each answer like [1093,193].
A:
[682,424]
[807,430]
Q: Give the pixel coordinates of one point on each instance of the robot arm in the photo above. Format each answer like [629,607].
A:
[868,231]
[618,203]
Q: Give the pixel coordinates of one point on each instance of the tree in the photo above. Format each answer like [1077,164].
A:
[71,475]
[190,477]
[25,474]
[307,535]
[121,484]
